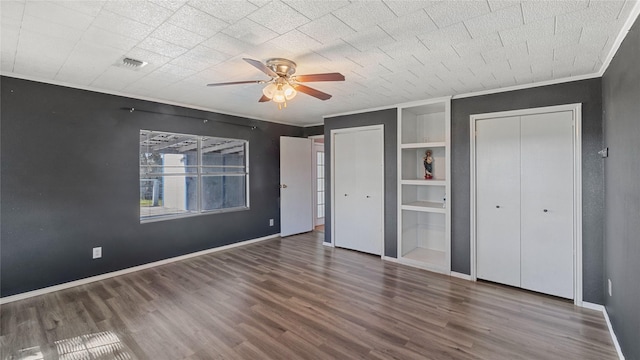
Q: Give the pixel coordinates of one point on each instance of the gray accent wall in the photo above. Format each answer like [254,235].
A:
[313,130]
[70,182]
[587,92]
[621,103]
[388,118]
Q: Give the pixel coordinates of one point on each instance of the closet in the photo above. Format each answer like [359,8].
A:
[358,183]
[525,201]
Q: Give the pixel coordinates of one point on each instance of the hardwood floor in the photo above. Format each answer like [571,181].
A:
[294,298]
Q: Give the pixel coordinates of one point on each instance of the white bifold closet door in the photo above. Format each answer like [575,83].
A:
[524,202]
[547,203]
[358,180]
[498,200]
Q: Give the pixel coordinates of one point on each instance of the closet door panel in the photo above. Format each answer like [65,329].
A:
[345,188]
[498,200]
[369,182]
[547,203]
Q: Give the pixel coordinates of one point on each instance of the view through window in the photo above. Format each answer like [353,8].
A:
[184,175]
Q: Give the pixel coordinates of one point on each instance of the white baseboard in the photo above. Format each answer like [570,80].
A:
[28,294]
[327,244]
[460,276]
[593,306]
[389,258]
[614,338]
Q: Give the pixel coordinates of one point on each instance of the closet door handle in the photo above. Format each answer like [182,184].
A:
[545,210]
[497,206]
[346,195]
[368,196]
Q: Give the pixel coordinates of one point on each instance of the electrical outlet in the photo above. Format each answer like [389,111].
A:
[270,222]
[97,252]
[609,280]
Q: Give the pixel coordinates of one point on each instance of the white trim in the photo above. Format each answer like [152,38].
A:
[327,244]
[592,306]
[141,97]
[614,338]
[332,196]
[527,86]
[460,276]
[67,285]
[576,108]
[360,111]
[390,259]
[633,15]
[317,124]
[410,104]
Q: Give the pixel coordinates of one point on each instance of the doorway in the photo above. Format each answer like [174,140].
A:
[318,182]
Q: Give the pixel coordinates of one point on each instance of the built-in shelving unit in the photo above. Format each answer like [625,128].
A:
[424,215]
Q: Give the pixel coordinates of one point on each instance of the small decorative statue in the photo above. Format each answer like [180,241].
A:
[428,165]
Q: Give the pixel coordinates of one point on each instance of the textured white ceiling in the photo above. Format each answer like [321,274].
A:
[390,51]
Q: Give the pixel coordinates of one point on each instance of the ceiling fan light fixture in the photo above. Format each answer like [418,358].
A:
[289,91]
[279,96]
[269,90]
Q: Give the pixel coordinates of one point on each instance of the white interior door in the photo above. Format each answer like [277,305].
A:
[296,187]
[498,200]
[547,203]
[358,190]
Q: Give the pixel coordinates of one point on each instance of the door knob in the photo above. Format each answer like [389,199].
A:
[284,186]
[346,195]
[368,196]
[497,206]
[545,210]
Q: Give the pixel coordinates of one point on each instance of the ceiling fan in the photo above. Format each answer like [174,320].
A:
[284,85]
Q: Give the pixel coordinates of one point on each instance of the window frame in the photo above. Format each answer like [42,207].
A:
[199,174]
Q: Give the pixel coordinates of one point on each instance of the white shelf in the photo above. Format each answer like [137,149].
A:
[426,206]
[433,182]
[423,145]
[428,257]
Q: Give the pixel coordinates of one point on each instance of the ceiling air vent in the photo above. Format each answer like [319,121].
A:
[130,63]
[133,63]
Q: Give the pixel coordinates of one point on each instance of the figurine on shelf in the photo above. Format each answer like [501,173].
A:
[428,165]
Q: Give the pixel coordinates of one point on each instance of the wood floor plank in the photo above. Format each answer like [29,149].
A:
[293,298]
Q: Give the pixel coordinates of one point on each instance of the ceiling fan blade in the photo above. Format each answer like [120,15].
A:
[237,82]
[313,92]
[319,77]
[264,99]
[262,67]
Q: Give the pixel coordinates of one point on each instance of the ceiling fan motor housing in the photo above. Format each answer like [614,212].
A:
[282,67]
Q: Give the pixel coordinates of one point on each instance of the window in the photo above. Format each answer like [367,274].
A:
[185,175]
[320,185]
